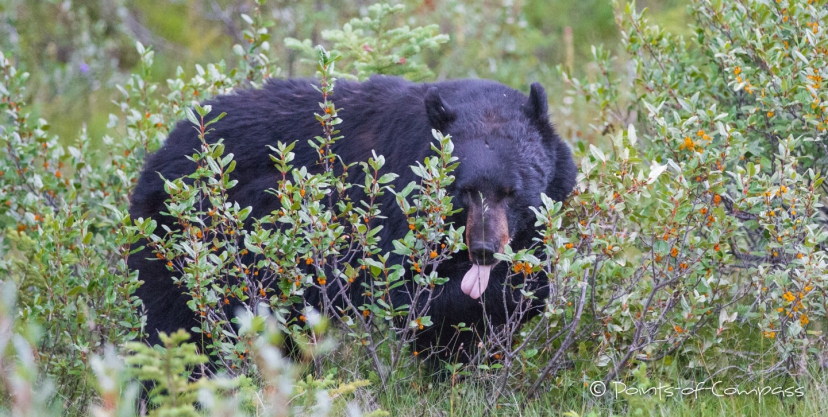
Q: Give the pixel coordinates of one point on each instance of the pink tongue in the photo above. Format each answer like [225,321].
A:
[476,280]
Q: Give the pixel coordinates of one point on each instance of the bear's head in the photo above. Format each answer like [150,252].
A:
[509,154]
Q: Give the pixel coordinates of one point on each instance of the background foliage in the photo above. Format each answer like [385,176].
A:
[692,250]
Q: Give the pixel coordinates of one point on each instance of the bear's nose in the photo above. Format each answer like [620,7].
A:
[482,253]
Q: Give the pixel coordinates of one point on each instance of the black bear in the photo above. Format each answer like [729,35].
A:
[508,151]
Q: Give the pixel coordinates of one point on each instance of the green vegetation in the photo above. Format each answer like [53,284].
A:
[691,252]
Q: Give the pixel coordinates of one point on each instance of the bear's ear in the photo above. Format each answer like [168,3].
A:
[439,115]
[536,109]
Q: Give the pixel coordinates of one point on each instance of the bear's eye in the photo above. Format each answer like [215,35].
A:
[508,192]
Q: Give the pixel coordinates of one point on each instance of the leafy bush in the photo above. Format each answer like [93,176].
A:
[370,46]
[725,252]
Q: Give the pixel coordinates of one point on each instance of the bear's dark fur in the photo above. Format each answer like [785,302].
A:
[508,151]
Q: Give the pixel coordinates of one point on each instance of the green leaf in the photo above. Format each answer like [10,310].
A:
[192,117]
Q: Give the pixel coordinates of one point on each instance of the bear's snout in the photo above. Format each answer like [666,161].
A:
[487,232]
[482,253]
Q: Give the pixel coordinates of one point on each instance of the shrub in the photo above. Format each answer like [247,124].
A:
[725,250]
